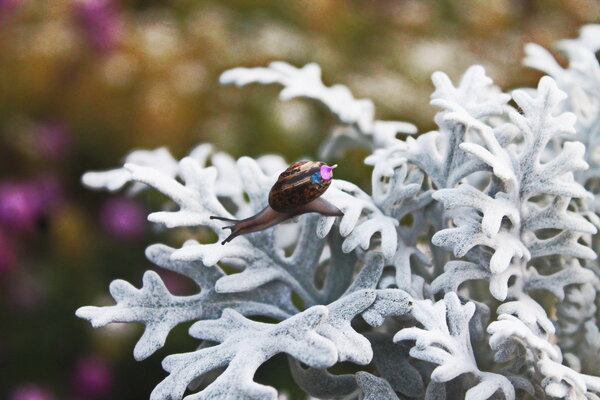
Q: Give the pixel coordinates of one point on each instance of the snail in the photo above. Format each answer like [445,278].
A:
[297,191]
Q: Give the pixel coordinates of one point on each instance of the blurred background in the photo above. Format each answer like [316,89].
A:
[82,82]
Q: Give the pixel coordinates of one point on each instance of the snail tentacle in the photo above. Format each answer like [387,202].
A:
[224,219]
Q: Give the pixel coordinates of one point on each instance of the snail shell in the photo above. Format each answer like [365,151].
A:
[301,183]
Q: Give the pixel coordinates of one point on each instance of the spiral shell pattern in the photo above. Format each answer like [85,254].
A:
[298,185]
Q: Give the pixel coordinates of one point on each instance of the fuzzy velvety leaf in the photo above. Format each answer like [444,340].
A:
[374,388]
[152,305]
[244,346]
[445,340]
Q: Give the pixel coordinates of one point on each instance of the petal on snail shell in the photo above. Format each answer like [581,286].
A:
[326,171]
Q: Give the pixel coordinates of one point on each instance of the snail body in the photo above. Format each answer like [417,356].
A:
[297,191]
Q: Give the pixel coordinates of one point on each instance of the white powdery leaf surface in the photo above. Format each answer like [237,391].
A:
[541,59]
[578,334]
[196,197]
[306,82]
[273,301]
[257,253]
[445,340]
[504,219]
[152,305]
[244,345]
[469,233]
[160,311]
[529,312]
[576,317]
[406,262]
[476,93]
[317,337]
[473,230]
[262,263]
[581,81]
[458,272]
[564,383]
[557,282]
[540,122]
[509,333]
[160,159]
[388,302]
[374,388]
[589,37]
[577,50]
[351,345]
[396,186]
[362,219]
[438,153]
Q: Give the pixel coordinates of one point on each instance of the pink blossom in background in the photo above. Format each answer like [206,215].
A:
[24,203]
[123,218]
[30,392]
[92,377]
[50,192]
[20,206]
[53,140]
[99,23]
[7,6]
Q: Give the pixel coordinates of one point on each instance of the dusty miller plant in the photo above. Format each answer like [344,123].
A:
[468,271]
